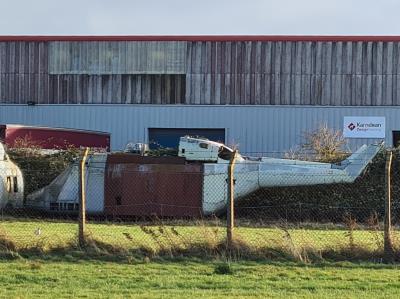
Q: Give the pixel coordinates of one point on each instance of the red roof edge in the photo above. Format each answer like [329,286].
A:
[327,38]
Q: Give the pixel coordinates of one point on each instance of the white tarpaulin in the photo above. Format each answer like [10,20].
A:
[364,127]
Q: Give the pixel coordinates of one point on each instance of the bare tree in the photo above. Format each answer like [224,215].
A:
[323,145]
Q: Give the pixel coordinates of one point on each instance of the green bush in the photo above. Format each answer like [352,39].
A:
[40,168]
[361,199]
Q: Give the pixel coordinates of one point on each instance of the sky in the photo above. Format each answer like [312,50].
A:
[202,17]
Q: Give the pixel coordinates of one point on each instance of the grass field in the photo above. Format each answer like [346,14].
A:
[46,236]
[42,259]
[194,279]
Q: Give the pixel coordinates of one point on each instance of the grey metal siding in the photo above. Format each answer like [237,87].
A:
[128,57]
[116,89]
[319,73]
[76,73]
[255,129]
[293,73]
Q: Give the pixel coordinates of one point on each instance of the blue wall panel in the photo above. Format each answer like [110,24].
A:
[254,129]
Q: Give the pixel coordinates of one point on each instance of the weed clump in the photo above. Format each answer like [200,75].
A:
[6,243]
[223,269]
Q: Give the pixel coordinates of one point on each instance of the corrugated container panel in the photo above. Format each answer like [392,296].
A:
[128,57]
[153,193]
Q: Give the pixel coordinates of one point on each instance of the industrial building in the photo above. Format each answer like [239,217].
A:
[258,92]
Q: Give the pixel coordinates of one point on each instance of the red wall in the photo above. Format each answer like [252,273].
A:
[51,138]
[233,38]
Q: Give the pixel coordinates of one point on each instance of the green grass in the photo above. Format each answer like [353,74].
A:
[185,260]
[175,239]
[67,278]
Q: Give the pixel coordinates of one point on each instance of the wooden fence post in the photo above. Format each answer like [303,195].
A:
[230,221]
[82,198]
[388,244]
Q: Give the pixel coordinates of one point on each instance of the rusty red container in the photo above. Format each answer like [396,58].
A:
[152,186]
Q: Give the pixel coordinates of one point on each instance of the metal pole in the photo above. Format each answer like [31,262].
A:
[230,221]
[388,244]
[82,198]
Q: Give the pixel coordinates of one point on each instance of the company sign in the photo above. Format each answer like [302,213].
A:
[364,127]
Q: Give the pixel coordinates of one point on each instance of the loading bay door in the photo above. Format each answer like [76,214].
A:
[169,138]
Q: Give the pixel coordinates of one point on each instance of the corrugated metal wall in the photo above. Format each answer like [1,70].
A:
[242,73]
[116,89]
[96,72]
[283,73]
[254,128]
[128,57]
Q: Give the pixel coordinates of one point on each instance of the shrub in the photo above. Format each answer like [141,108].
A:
[223,269]
[322,145]
[40,167]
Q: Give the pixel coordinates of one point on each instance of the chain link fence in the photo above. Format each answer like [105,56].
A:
[165,206]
